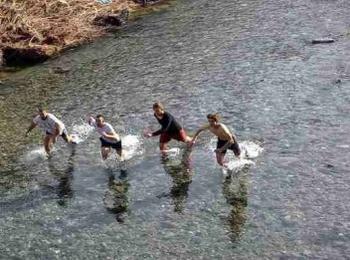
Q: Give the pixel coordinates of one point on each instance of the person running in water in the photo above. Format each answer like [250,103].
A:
[51,126]
[171,129]
[226,140]
[109,138]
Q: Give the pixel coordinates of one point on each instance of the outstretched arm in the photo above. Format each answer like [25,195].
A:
[31,127]
[91,121]
[57,130]
[206,127]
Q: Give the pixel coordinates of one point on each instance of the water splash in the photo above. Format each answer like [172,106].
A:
[132,150]
[36,154]
[173,152]
[249,150]
[80,132]
[131,146]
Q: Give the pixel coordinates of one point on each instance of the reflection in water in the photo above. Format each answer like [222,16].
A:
[65,178]
[235,191]
[181,172]
[116,197]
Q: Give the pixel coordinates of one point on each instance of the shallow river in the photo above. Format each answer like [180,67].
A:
[252,61]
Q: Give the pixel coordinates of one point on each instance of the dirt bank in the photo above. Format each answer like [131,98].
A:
[31,31]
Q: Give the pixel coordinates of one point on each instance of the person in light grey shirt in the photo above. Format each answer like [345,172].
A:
[108,137]
[52,128]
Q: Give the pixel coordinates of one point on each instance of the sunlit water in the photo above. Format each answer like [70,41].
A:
[286,100]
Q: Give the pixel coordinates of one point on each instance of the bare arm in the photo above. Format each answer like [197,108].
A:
[57,130]
[91,121]
[30,128]
[203,128]
[111,135]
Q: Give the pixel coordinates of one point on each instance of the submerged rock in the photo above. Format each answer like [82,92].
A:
[23,56]
[322,40]
[112,19]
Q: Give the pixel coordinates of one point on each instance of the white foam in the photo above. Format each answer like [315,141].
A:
[131,146]
[250,149]
[173,151]
[238,164]
[35,154]
[81,132]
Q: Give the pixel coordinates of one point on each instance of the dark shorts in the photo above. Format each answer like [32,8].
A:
[179,136]
[116,146]
[234,147]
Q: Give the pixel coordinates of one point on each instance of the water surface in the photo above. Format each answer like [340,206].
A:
[249,60]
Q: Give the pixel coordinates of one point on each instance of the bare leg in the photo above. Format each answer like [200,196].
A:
[220,159]
[105,152]
[48,143]
[163,146]
[120,153]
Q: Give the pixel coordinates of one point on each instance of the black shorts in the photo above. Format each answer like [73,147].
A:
[234,147]
[117,145]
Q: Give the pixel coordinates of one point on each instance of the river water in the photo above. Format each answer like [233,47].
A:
[252,61]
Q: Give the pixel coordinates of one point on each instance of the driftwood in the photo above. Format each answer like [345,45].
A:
[322,40]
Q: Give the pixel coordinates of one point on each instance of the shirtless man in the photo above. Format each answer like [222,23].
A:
[226,140]
[51,126]
[171,129]
[109,138]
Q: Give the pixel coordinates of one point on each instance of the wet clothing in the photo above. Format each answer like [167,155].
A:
[168,123]
[234,147]
[107,128]
[116,146]
[64,134]
[48,125]
[179,136]
[171,129]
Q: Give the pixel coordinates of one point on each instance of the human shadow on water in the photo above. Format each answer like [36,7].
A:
[65,178]
[181,172]
[116,197]
[235,191]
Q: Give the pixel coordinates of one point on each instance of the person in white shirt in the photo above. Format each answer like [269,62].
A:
[51,126]
[109,138]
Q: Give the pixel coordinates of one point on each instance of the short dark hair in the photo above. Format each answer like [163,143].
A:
[214,117]
[100,116]
[158,105]
[41,108]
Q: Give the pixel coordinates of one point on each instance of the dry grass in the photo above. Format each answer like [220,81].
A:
[59,23]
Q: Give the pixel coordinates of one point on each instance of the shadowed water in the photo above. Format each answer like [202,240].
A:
[252,61]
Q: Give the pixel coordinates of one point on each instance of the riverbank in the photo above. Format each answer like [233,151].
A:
[33,31]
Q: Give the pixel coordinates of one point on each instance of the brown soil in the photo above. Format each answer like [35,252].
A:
[53,25]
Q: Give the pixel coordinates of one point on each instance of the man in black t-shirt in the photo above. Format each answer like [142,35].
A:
[171,129]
